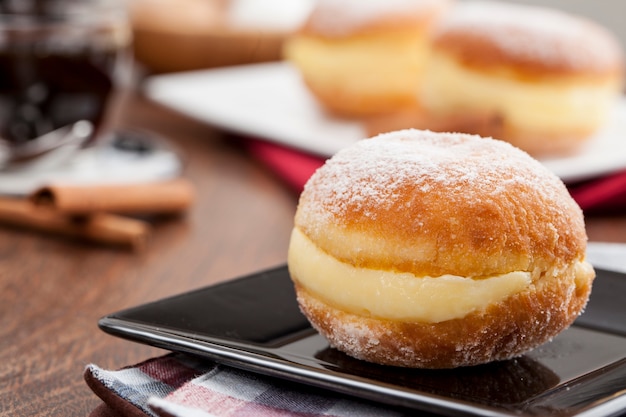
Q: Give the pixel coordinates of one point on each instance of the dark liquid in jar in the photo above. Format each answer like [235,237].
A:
[46,84]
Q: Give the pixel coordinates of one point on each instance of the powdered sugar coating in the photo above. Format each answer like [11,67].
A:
[370,173]
[529,34]
[341,18]
[440,203]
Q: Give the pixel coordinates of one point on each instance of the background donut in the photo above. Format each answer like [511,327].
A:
[436,250]
[542,79]
[362,58]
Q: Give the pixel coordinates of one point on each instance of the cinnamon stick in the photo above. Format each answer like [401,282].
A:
[150,198]
[100,228]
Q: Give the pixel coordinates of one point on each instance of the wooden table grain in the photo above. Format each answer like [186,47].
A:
[54,290]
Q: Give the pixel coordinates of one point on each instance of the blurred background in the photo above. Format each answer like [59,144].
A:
[175,35]
[606,12]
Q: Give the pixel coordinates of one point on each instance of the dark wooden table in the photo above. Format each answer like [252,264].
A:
[53,290]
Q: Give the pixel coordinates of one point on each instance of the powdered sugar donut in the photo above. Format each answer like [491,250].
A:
[437,250]
[545,80]
[361,58]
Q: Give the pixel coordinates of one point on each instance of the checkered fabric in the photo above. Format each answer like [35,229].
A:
[177,385]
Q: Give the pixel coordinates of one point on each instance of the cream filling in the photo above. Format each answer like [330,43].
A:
[376,63]
[545,105]
[395,295]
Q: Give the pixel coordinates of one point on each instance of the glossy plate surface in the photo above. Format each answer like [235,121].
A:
[254,323]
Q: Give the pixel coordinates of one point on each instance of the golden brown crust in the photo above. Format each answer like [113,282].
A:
[367,57]
[480,54]
[394,59]
[502,331]
[340,19]
[530,42]
[432,204]
[486,124]
[350,103]
[502,68]
[538,143]
[490,210]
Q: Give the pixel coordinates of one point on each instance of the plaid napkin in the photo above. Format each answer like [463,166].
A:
[177,385]
[603,195]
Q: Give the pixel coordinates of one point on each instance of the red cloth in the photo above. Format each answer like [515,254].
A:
[606,194]
[602,195]
[291,166]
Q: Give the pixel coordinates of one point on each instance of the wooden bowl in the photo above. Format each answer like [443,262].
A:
[180,35]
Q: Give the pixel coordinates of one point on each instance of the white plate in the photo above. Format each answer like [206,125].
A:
[269,101]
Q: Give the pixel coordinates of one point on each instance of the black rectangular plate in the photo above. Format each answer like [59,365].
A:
[254,323]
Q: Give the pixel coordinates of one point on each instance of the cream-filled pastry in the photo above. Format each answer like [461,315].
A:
[546,80]
[438,250]
[362,58]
